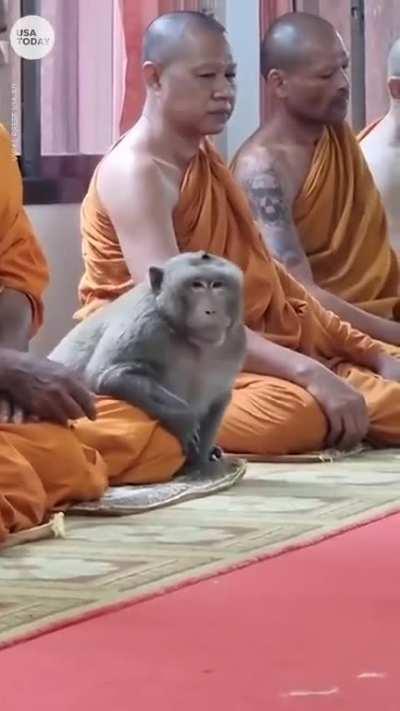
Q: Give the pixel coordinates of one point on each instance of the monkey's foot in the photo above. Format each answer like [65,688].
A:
[206,468]
[215,454]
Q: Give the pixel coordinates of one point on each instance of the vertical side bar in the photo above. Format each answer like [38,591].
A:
[358,64]
[30,105]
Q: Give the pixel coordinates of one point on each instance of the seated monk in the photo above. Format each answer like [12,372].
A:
[380,143]
[310,379]
[308,183]
[23,269]
[47,464]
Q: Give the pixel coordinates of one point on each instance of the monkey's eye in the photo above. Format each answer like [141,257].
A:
[217,285]
[197,285]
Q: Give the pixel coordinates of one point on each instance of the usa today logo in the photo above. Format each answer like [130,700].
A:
[32,37]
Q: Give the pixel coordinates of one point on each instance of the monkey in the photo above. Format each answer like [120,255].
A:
[172,346]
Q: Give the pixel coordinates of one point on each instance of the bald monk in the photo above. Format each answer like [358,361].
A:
[380,144]
[310,380]
[23,269]
[66,456]
[310,189]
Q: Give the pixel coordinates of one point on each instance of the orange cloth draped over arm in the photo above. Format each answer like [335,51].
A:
[342,226]
[22,263]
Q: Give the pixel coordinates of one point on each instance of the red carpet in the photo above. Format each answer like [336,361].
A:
[321,619]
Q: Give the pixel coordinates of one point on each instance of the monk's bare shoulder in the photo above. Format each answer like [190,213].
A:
[139,193]
[262,173]
[130,173]
[264,163]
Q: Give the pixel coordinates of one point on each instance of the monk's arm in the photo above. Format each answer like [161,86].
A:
[272,209]
[143,223]
[15,319]
[23,268]
[335,337]
[267,358]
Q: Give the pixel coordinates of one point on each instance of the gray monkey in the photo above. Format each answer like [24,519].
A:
[172,347]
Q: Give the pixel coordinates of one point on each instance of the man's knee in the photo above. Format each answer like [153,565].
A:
[275,421]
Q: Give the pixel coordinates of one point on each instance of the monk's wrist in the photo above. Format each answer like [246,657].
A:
[374,359]
[386,366]
[307,371]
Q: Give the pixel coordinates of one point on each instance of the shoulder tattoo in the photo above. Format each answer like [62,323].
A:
[267,198]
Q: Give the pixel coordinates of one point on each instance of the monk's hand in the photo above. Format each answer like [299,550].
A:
[388,368]
[41,389]
[10,412]
[344,408]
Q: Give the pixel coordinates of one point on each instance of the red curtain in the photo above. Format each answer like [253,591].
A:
[136,16]
[269,11]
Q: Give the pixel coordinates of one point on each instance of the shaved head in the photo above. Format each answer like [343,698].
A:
[189,73]
[163,38]
[290,41]
[304,61]
[394,60]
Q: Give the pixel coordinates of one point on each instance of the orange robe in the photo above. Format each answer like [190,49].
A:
[22,263]
[43,466]
[342,225]
[53,465]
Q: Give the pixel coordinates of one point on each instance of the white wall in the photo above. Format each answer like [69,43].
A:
[57,227]
[242,24]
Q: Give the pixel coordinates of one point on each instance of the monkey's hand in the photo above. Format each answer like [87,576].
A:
[137,383]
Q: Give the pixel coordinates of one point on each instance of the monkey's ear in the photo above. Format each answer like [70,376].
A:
[156,276]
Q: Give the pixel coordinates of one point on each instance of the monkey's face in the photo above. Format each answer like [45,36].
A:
[201,300]
[209,308]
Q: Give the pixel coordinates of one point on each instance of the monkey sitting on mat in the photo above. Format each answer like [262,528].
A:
[172,348]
